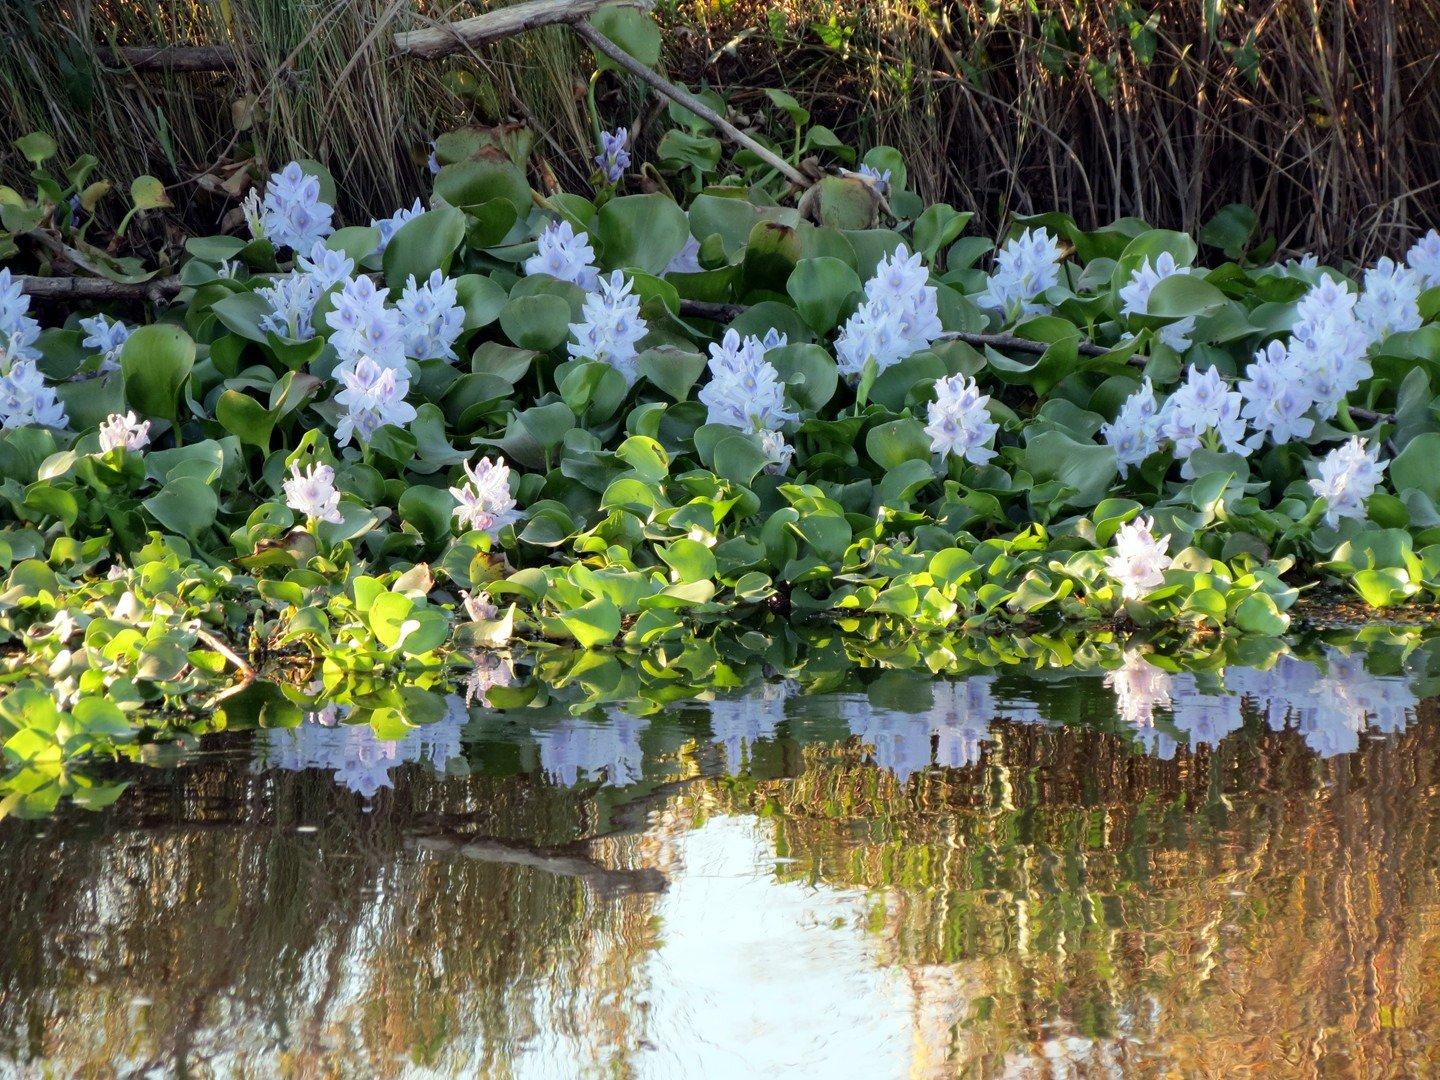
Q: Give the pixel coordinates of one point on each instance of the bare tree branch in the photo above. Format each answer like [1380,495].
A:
[438,41]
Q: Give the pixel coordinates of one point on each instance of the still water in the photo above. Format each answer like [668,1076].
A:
[1126,868]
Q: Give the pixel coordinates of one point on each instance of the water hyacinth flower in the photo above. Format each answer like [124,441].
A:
[1424,259]
[1025,267]
[25,399]
[291,213]
[686,260]
[325,267]
[1136,297]
[1328,343]
[899,316]
[124,431]
[485,501]
[880,180]
[478,607]
[1347,477]
[610,326]
[1134,434]
[254,214]
[372,396]
[565,254]
[1140,560]
[432,317]
[1389,303]
[745,390]
[292,298]
[778,452]
[959,423]
[363,326]
[312,494]
[1277,397]
[1203,409]
[107,337]
[613,158]
[18,329]
[388,227]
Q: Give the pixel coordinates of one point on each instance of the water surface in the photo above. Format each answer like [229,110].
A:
[1151,870]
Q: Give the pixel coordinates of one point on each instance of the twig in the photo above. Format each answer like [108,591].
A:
[218,644]
[438,41]
[1019,344]
[601,44]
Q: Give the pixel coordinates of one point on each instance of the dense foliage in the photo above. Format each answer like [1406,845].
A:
[628,419]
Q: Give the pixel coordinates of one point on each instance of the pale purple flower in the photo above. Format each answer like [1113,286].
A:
[745,390]
[124,431]
[485,501]
[107,337]
[613,158]
[388,227]
[1424,259]
[1346,478]
[372,396]
[610,326]
[312,494]
[1134,433]
[1136,298]
[1025,267]
[565,254]
[291,213]
[958,422]
[899,317]
[1140,560]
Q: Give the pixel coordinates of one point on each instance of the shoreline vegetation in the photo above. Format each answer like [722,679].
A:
[705,397]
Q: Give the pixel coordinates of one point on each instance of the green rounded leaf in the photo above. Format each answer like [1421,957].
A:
[157,360]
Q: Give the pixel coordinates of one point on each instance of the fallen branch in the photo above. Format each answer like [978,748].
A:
[601,44]
[99,289]
[439,41]
[1025,345]
[190,58]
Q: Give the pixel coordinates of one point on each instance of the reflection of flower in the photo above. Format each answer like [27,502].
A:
[737,723]
[1140,688]
[489,670]
[957,720]
[359,759]
[594,749]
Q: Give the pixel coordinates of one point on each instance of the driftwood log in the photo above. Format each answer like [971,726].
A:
[444,39]
[185,58]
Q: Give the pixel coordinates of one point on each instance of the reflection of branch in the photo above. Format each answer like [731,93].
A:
[563,862]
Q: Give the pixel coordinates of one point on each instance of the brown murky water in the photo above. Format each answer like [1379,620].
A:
[1151,874]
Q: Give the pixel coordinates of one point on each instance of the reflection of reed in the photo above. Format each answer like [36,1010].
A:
[1060,903]
[254,943]
[1214,914]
